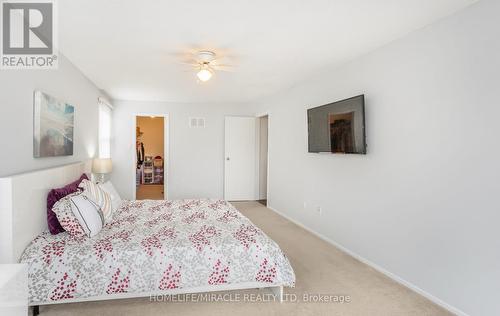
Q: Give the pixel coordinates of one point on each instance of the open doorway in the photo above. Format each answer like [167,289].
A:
[263,125]
[150,157]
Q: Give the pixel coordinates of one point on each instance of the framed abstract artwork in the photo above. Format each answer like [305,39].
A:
[53,125]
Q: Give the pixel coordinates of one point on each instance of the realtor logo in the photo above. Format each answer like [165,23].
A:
[28,34]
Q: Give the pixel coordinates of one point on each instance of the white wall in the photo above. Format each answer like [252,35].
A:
[16,115]
[424,202]
[196,163]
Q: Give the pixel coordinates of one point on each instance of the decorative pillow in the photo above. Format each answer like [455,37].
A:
[88,213]
[62,209]
[99,197]
[116,200]
[55,195]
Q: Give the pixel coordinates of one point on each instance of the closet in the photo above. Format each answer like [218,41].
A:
[150,153]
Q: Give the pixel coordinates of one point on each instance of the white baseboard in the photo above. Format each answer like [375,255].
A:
[389,274]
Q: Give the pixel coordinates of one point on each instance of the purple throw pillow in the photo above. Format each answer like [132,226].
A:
[54,196]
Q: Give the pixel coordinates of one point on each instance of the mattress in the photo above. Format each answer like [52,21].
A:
[153,247]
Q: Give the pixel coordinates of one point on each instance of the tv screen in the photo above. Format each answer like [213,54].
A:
[338,127]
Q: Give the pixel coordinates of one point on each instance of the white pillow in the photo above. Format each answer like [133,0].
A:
[97,195]
[116,200]
[88,214]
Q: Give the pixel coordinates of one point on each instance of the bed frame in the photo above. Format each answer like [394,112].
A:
[23,204]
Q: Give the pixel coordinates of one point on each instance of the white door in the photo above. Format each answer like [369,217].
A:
[240,158]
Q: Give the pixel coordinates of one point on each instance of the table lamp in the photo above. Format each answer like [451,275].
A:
[101,167]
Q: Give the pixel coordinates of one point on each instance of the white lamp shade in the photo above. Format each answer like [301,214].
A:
[102,165]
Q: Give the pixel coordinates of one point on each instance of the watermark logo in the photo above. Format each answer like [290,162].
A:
[233,297]
[29,34]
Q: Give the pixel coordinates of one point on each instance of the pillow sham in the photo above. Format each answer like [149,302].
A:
[65,216]
[55,195]
[100,198]
[116,200]
[88,214]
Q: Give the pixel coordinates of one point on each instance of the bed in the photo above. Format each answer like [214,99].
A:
[154,248]
[151,247]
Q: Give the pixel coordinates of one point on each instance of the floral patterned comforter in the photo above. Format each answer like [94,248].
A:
[155,246]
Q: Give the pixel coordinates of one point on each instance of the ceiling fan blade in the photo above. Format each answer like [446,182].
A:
[191,61]
[223,69]
[221,60]
[222,65]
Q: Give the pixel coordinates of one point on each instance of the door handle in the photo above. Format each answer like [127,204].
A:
[227,158]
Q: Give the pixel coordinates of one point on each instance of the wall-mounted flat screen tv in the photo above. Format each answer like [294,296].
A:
[338,127]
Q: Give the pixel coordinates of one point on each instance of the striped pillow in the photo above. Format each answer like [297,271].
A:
[99,197]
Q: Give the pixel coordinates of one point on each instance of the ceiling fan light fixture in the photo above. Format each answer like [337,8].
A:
[204,74]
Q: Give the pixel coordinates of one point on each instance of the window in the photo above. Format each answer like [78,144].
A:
[104,129]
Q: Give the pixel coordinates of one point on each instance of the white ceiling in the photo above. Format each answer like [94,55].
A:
[129,47]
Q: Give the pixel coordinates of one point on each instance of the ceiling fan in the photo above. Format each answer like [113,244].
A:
[206,63]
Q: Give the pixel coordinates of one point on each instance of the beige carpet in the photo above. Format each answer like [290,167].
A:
[319,268]
[149,192]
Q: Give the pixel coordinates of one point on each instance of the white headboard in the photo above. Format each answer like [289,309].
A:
[23,205]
